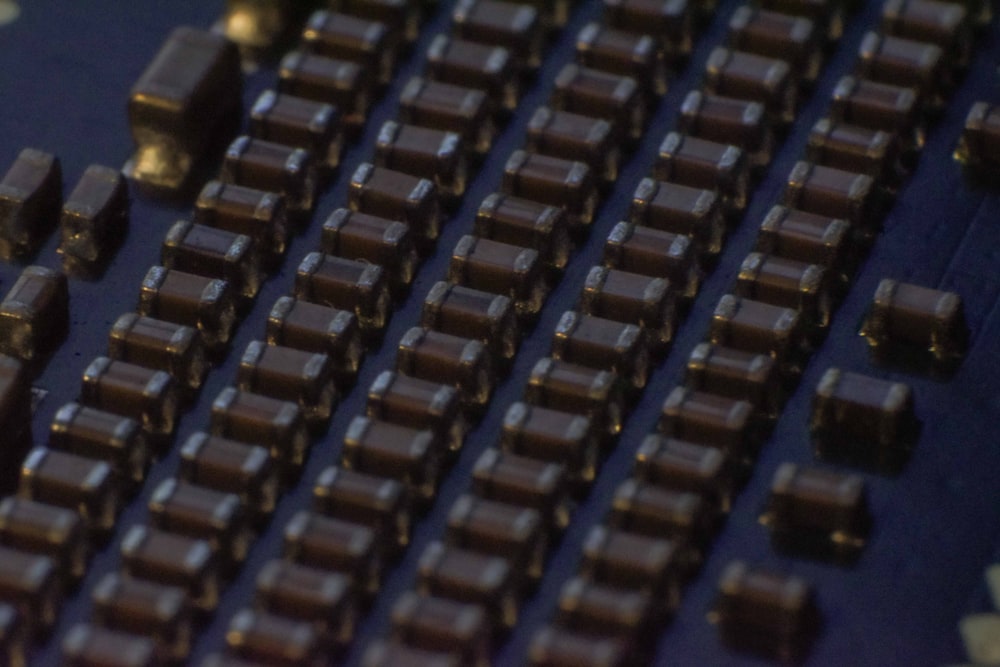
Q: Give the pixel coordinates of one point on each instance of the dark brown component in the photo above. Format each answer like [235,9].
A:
[818,512]
[500,529]
[789,283]
[273,167]
[943,23]
[806,237]
[439,624]
[524,481]
[467,576]
[67,480]
[729,120]
[15,402]
[864,420]
[501,268]
[593,393]
[174,348]
[833,192]
[704,418]
[827,15]
[462,311]
[435,155]
[31,584]
[344,84]
[397,196]
[401,16]
[349,36]
[516,27]
[188,96]
[525,223]
[615,558]
[277,425]
[213,252]
[606,611]
[980,142]
[615,98]
[705,164]
[91,646]
[173,560]
[652,252]
[766,612]
[259,214]
[685,518]
[378,502]
[30,198]
[879,106]
[395,654]
[598,342]
[555,181]
[95,215]
[13,636]
[408,401]
[48,530]
[186,298]
[671,21]
[346,284]
[485,67]
[623,53]
[270,639]
[305,378]
[680,465]
[747,376]
[753,77]
[794,39]
[550,435]
[904,62]
[573,136]
[34,315]
[649,303]
[146,395]
[857,149]
[102,435]
[444,106]
[462,362]
[296,121]
[144,608]
[752,326]
[325,599]
[196,511]
[554,646]
[232,467]
[334,544]
[389,243]
[680,209]
[405,454]
[929,322]
[314,328]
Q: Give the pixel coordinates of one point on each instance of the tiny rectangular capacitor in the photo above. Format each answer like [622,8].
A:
[305,378]
[379,502]
[499,529]
[207,304]
[794,39]
[30,583]
[261,215]
[34,314]
[336,545]
[30,199]
[554,436]
[316,328]
[174,348]
[464,363]
[606,611]
[382,653]
[701,163]
[346,85]
[174,560]
[880,106]
[273,167]
[979,144]
[418,403]
[86,645]
[703,418]
[148,609]
[277,425]
[633,562]
[789,283]
[296,121]
[487,67]
[729,120]
[753,326]
[947,24]
[439,624]
[606,49]
[807,237]
[16,397]
[49,530]
[747,376]
[857,149]
[197,511]
[85,485]
[525,223]
[670,21]
[569,184]
[232,467]
[834,193]
[647,302]
[105,436]
[616,98]
[527,482]
[574,136]
[409,455]
[516,27]
[356,286]
[680,465]
[555,646]
[826,14]
[652,252]
[402,17]
[146,395]
[501,268]
[905,62]
[680,209]
[463,311]
[436,155]
[189,95]
[399,196]
[603,343]
[267,638]
[95,215]
[213,252]
[596,394]
[371,43]
[325,599]
[444,106]
[753,77]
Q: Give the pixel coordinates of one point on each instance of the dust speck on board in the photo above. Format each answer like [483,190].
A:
[9,11]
